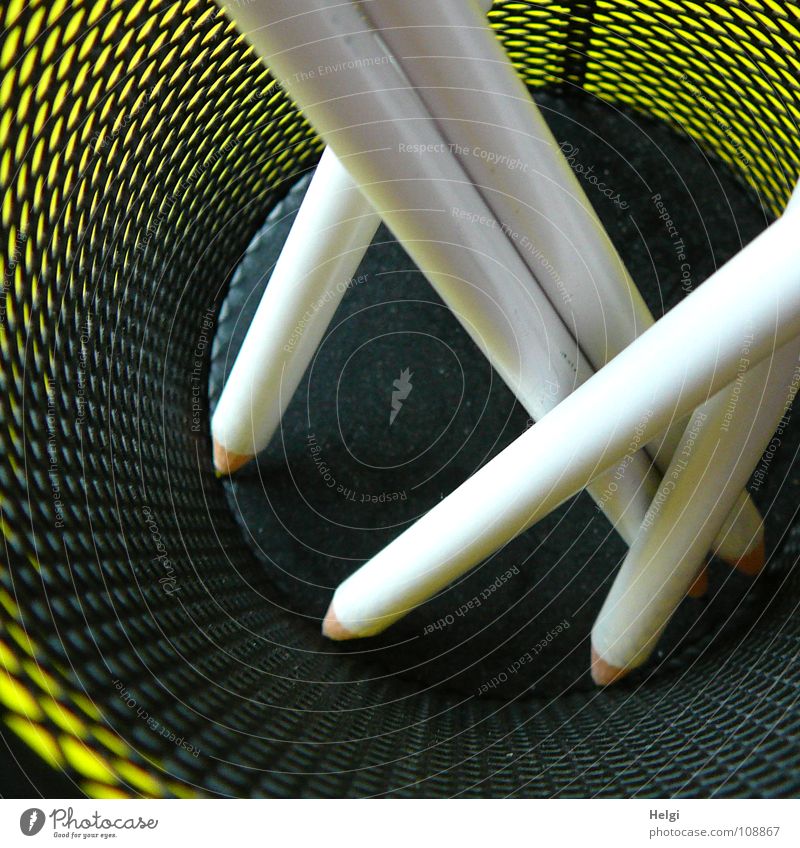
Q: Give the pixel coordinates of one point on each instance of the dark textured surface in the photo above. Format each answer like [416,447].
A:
[26,775]
[308,507]
[143,148]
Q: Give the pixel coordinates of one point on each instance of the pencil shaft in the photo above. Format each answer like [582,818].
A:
[330,234]
[689,355]
[432,208]
[498,134]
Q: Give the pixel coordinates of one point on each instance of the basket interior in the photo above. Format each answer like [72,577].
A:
[143,147]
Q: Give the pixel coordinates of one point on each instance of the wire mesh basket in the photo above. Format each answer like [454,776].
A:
[143,144]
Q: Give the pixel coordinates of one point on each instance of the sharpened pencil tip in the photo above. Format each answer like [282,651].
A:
[700,585]
[333,629]
[227,462]
[604,674]
[753,561]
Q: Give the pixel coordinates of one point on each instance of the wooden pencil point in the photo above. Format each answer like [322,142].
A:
[700,585]
[752,563]
[227,462]
[333,629]
[603,673]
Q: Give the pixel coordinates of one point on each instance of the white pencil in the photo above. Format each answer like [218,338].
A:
[497,133]
[434,210]
[689,355]
[331,233]
[333,229]
[690,508]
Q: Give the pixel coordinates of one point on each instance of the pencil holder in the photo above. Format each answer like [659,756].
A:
[143,145]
